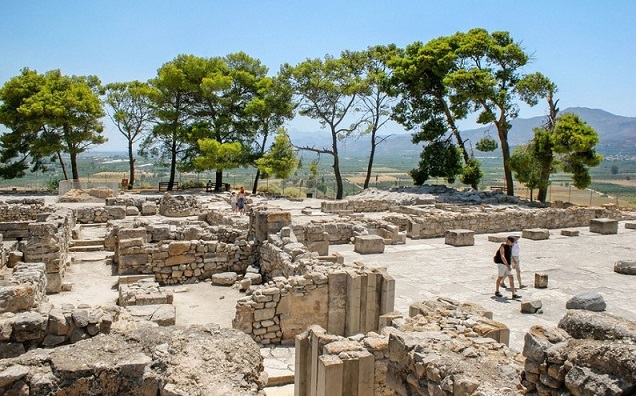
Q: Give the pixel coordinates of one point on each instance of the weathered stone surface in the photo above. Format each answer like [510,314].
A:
[626,267]
[165,315]
[143,362]
[29,326]
[540,280]
[588,301]
[570,233]
[149,209]
[531,306]
[535,234]
[460,238]
[367,244]
[604,226]
[224,278]
[599,326]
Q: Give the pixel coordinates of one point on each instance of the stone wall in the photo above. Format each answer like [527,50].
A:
[434,222]
[99,214]
[304,290]
[589,353]
[48,243]
[25,289]
[445,349]
[179,205]
[51,326]
[317,233]
[26,209]
[179,252]
[198,360]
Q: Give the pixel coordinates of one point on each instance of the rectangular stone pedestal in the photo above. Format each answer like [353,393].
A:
[369,244]
[459,237]
[540,280]
[604,226]
[535,234]
[570,233]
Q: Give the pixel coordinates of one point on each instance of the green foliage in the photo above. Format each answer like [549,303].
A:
[486,144]
[526,167]
[614,169]
[471,173]
[48,115]
[218,156]
[575,143]
[280,161]
[438,159]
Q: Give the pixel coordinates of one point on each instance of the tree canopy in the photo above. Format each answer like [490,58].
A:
[47,115]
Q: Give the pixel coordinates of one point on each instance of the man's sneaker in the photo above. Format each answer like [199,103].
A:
[503,285]
[497,294]
[523,286]
[515,296]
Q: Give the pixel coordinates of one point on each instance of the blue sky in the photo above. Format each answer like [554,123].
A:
[586,47]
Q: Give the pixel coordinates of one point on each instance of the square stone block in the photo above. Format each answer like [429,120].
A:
[540,280]
[459,237]
[497,238]
[369,244]
[604,226]
[570,233]
[631,226]
[535,234]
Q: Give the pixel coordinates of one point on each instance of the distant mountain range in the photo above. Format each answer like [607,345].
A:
[616,134]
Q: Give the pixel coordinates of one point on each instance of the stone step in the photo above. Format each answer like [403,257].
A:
[87,242]
[92,248]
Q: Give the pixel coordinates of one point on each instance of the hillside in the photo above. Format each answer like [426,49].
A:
[616,133]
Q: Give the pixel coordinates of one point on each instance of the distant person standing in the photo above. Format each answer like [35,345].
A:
[504,266]
[234,202]
[515,260]
[240,202]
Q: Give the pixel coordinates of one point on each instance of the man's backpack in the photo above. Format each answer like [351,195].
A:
[497,257]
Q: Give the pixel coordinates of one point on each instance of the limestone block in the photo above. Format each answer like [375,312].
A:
[497,238]
[14,258]
[366,244]
[531,306]
[459,237]
[165,315]
[570,233]
[535,234]
[132,211]
[116,212]
[540,280]
[11,349]
[224,278]
[337,302]
[386,320]
[413,230]
[626,267]
[177,248]
[254,278]
[129,233]
[149,209]
[604,226]
[29,326]
[330,376]
[631,226]
[12,374]
[589,301]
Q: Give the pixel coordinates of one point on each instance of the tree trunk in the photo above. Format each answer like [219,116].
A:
[458,136]
[219,180]
[131,162]
[370,165]
[255,185]
[173,165]
[59,158]
[336,164]
[74,169]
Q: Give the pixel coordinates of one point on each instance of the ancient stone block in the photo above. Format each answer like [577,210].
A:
[588,301]
[535,234]
[531,306]
[630,226]
[626,267]
[177,248]
[540,280]
[149,209]
[366,244]
[459,237]
[29,326]
[330,376]
[164,315]
[570,233]
[604,226]
[224,278]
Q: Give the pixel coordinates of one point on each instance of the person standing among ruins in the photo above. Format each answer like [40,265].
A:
[240,202]
[234,202]
[504,266]
[515,260]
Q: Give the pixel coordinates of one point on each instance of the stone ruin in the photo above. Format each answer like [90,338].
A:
[339,315]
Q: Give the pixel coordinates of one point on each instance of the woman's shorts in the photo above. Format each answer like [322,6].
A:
[503,270]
